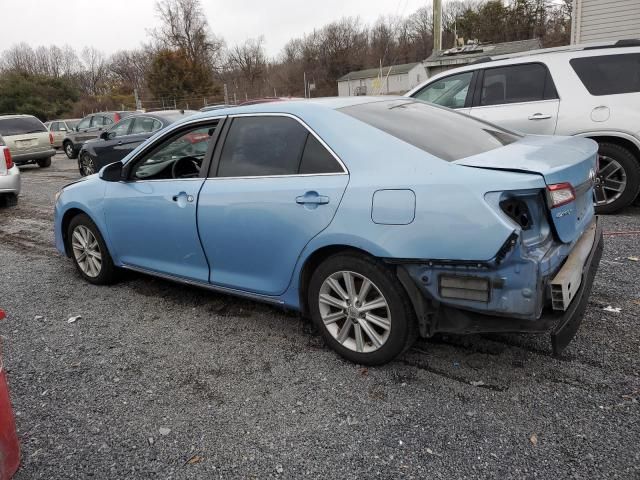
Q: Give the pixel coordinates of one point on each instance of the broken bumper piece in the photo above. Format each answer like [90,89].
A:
[574,281]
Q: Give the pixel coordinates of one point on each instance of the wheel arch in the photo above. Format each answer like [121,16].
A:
[313,261]
[69,215]
[617,139]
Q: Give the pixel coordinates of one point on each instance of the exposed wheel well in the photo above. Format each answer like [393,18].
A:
[622,142]
[310,265]
[66,220]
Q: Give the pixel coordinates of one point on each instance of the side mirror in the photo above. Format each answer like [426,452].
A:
[104,135]
[112,172]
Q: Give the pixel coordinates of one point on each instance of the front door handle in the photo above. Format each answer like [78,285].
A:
[182,198]
[539,116]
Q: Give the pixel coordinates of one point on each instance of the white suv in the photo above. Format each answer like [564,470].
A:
[587,90]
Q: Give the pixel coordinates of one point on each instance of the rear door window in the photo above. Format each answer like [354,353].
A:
[449,91]
[144,125]
[20,126]
[262,146]
[516,84]
[316,159]
[609,74]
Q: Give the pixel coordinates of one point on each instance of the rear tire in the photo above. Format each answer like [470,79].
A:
[89,252]
[44,163]
[69,150]
[619,166]
[383,332]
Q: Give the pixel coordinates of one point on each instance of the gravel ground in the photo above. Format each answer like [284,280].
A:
[157,380]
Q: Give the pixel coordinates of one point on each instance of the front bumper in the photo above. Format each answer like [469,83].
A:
[10,183]
[435,317]
[31,157]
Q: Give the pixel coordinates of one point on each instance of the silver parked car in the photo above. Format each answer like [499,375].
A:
[28,139]
[9,178]
[59,129]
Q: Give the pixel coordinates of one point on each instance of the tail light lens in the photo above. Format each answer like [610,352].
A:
[116,117]
[51,138]
[560,194]
[7,158]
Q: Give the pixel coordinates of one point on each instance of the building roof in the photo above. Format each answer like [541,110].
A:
[375,72]
[469,53]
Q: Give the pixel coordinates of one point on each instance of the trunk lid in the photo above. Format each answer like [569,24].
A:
[557,160]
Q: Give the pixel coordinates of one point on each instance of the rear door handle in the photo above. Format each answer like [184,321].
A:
[539,116]
[312,198]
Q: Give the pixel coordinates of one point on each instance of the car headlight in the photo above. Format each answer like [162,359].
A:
[57,196]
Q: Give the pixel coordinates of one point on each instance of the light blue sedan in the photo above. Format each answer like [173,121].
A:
[380,218]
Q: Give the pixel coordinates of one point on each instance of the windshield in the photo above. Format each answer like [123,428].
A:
[20,126]
[439,131]
[72,123]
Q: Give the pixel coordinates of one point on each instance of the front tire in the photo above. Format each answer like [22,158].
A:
[362,312]
[86,164]
[89,252]
[618,179]
[70,151]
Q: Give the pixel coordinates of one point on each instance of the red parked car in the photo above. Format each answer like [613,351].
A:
[9,446]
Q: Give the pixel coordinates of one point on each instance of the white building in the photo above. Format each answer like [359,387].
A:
[604,20]
[396,79]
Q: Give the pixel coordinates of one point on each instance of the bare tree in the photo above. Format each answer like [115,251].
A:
[184,27]
[250,60]
[94,75]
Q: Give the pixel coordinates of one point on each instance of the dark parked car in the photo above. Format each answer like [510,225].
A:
[116,142]
[89,128]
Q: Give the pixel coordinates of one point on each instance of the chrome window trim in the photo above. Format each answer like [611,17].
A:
[345,171]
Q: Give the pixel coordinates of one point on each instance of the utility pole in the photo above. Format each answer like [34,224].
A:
[437,25]
[305,84]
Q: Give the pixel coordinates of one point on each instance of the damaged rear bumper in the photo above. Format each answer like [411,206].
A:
[437,317]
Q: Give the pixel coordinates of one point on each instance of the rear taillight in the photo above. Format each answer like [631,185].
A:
[51,138]
[116,117]
[560,194]
[7,158]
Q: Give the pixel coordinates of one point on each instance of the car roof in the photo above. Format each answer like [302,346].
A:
[18,115]
[296,106]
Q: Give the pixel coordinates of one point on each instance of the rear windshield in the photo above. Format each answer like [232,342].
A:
[20,126]
[609,74]
[439,131]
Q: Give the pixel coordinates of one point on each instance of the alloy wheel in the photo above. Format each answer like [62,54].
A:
[87,164]
[86,251]
[611,181]
[354,311]
[68,149]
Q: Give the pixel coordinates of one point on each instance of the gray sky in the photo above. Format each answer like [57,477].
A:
[123,24]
